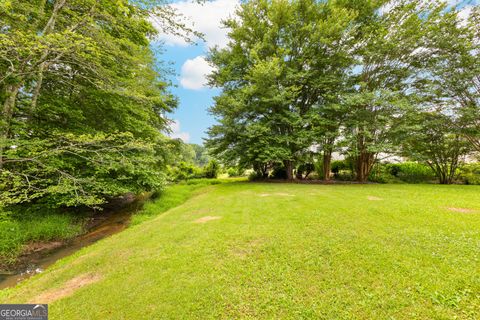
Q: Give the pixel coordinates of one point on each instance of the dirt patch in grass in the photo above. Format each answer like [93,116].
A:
[461,210]
[67,289]
[372,198]
[206,219]
[201,212]
[246,249]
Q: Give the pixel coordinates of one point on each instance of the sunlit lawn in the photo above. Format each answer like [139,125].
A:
[247,250]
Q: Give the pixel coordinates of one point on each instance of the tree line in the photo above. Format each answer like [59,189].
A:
[304,79]
[83,101]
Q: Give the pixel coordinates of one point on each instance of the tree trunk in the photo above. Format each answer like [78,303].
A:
[265,171]
[289,169]
[7,114]
[360,169]
[364,164]
[327,164]
[49,27]
[38,86]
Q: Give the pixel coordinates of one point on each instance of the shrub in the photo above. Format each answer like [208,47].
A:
[345,175]
[470,173]
[381,174]
[185,171]
[319,170]
[339,165]
[254,176]
[342,170]
[235,172]
[212,169]
[304,170]
[411,172]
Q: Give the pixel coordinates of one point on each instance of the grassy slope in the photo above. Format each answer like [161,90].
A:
[17,231]
[283,251]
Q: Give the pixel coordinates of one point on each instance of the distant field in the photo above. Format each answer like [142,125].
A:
[280,251]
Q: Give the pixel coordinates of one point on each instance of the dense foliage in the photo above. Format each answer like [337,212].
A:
[303,80]
[82,102]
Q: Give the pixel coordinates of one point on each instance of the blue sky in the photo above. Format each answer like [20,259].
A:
[191,117]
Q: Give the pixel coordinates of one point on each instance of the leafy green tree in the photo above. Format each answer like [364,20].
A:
[277,72]
[452,69]
[201,155]
[74,170]
[82,102]
[445,124]
[435,139]
[387,49]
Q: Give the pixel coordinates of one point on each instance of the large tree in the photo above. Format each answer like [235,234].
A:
[452,71]
[436,139]
[444,126]
[82,101]
[387,47]
[277,73]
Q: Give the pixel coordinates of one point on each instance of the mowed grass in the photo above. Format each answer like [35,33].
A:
[280,251]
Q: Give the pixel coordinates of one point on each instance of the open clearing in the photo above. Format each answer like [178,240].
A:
[323,251]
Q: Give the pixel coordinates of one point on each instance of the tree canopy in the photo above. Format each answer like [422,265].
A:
[305,78]
[83,101]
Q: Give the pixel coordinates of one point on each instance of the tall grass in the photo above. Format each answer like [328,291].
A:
[16,232]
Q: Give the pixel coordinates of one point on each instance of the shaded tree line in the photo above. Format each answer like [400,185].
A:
[82,101]
[304,79]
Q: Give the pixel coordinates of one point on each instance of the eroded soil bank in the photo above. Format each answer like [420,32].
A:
[39,255]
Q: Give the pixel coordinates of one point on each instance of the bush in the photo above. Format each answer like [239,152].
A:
[470,173]
[304,170]
[235,172]
[319,170]
[381,174]
[342,170]
[212,169]
[411,172]
[255,176]
[339,165]
[345,175]
[185,171]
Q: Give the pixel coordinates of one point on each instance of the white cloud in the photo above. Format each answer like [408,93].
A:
[464,14]
[386,8]
[205,18]
[194,72]
[177,133]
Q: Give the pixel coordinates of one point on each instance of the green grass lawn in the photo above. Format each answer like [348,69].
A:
[244,250]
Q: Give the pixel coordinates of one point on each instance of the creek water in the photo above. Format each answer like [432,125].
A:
[104,225]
